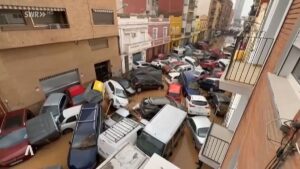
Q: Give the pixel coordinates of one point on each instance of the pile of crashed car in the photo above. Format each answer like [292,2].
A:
[135,138]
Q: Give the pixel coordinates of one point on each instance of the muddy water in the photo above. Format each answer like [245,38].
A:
[184,156]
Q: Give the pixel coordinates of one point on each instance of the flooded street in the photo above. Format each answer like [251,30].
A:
[184,156]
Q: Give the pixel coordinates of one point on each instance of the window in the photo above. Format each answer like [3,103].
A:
[191,121]
[296,71]
[98,43]
[49,19]
[165,31]
[103,17]
[154,33]
[111,86]
[71,119]
[11,17]
[62,102]
[22,17]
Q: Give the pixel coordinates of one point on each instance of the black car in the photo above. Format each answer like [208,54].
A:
[146,82]
[125,84]
[83,151]
[220,102]
[150,106]
[209,84]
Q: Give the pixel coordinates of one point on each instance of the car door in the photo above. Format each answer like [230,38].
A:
[69,123]
[192,126]
[111,90]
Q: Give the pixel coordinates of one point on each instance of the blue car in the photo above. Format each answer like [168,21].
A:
[83,152]
[189,83]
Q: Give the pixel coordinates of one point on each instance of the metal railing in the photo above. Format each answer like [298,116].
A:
[248,57]
[215,148]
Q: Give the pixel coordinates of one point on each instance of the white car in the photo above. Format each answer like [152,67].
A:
[172,77]
[178,51]
[223,62]
[117,116]
[183,68]
[159,63]
[139,64]
[116,93]
[199,125]
[197,105]
[189,60]
[68,119]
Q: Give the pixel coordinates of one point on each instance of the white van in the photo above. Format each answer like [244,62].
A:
[124,131]
[162,133]
[130,157]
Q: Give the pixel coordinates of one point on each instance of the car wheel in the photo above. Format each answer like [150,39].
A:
[66,131]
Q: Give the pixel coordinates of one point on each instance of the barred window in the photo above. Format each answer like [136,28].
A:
[99,43]
[103,17]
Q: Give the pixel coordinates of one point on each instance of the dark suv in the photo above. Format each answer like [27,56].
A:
[220,102]
[83,148]
[146,82]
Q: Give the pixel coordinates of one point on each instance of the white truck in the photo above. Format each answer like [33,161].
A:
[124,131]
[130,157]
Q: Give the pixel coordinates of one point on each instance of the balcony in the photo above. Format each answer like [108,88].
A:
[247,61]
[160,41]
[216,145]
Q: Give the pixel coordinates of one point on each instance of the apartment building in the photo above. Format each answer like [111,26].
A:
[225,15]
[266,94]
[144,7]
[47,46]
[158,30]
[175,30]
[134,39]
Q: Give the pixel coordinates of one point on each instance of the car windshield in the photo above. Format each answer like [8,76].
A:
[149,144]
[12,122]
[125,83]
[82,140]
[199,103]
[61,118]
[202,132]
[193,85]
[116,117]
[13,138]
[121,93]
[51,109]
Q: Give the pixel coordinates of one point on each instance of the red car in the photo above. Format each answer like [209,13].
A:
[75,93]
[217,73]
[13,137]
[174,92]
[209,64]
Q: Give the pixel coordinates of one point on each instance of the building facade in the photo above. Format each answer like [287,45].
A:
[251,134]
[195,30]
[238,8]
[134,40]
[170,7]
[203,27]
[175,31]
[158,30]
[48,45]
[188,19]
[145,7]
[225,15]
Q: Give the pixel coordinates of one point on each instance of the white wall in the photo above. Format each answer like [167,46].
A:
[202,7]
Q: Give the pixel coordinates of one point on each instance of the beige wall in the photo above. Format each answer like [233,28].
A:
[79,17]
[21,69]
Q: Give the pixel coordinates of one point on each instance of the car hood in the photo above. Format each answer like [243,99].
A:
[123,101]
[7,154]
[82,158]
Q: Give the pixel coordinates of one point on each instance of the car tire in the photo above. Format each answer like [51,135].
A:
[66,131]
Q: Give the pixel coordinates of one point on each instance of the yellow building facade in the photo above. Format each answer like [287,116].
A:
[195,30]
[175,31]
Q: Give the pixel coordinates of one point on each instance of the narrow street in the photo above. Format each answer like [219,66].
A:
[184,156]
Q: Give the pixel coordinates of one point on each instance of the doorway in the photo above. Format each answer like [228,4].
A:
[102,70]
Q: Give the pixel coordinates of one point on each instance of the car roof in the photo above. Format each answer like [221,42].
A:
[174,74]
[201,121]
[189,76]
[159,126]
[72,111]
[158,100]
[53,99]
[174,88]
[198,98]
[115,83]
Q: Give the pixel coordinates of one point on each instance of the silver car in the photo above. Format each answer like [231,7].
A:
[55,104]
[199,126]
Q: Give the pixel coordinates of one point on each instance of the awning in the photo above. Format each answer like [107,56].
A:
[33,8]
[103,10]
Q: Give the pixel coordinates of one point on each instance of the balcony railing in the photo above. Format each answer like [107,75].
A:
[248,58]
[216,145]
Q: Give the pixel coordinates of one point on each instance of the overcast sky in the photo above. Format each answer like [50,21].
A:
[247,6]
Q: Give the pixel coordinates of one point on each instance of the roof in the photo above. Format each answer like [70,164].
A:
[53,99]
[174,88]
[157,161]
[160,122]
[198,97]
[201,121]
